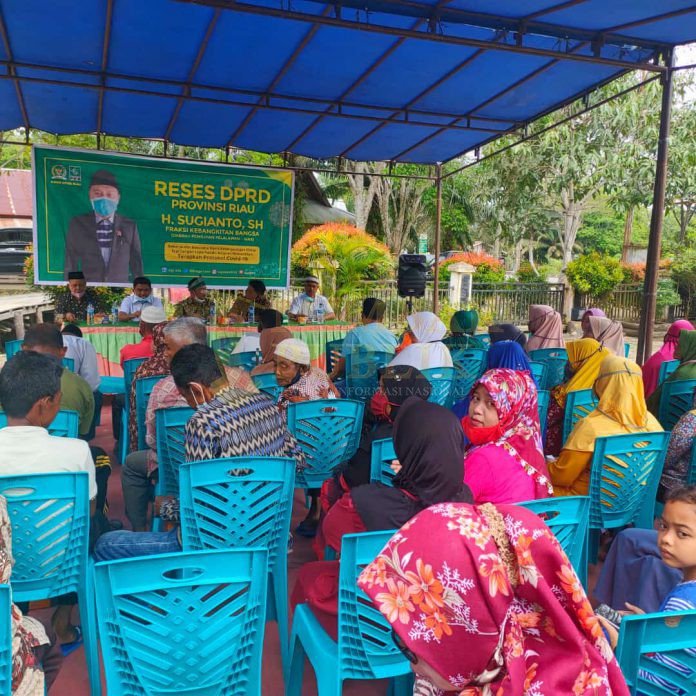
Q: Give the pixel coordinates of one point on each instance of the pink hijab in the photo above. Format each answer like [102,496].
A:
[608,333]
[651,368]
[546,326]
[591,312]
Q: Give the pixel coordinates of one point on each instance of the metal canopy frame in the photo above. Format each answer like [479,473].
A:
[517,35]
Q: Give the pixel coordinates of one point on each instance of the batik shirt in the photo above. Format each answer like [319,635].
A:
[241,306]
[67,303]
[190,308]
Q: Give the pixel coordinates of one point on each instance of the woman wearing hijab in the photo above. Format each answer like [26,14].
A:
[686,354]
[426,349]
[651,367]
[270,339]
[505,458]
[503,354]
[546,326]
[152,367]
[462,328]
[679,451]
[621,410]
[506,332]
[608,333]
[585,321]
[483,602]
[584,358]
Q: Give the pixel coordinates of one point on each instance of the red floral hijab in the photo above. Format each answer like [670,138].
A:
[515,397]
[494,606]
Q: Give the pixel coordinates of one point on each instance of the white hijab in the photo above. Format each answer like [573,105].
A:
[426,327]
[428,351]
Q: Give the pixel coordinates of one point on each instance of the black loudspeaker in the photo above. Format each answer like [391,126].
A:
[412,275]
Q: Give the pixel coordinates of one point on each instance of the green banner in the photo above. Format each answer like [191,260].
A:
[116,217]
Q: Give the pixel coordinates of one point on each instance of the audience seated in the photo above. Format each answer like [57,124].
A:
[546,326]
[229,422]
[134,305]
[584,358]
[272,333]
[502,354]
[425,349]
[255,294]
[149,318]
[621,410]
[506,332]
[686,354]
[505,458]
[679,453]
[585,321]
[36,656]
[371,335]
[82,353]
[492,608]
[30,395]
[651,367]
[463,325]
[608,333]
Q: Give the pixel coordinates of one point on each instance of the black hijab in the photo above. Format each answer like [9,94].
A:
[506,332]
[400,382]
[429,444]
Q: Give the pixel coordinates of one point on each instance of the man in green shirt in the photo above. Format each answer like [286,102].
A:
[76,394]
[198,304]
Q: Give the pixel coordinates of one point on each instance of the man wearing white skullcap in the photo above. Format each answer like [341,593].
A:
[310,302]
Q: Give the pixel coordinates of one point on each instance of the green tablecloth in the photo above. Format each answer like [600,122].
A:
[108,339]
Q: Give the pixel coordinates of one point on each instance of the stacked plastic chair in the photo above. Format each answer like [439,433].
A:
[441,379]
[170,424]
[65,423]
[5,641]
[579,404]
[243,502]
[382,456]
[675,400]
[555,360]
[625,472]
[50,538]
[539,372]
[364,649]
[183,623]
[143,389]
[655,646]
[328,431]
[469,365]
[362,367]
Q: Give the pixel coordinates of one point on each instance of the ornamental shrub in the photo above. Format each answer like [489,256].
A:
[526,274]
[488,268]
[595,275]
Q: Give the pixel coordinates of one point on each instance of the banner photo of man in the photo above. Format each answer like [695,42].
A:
[117,217]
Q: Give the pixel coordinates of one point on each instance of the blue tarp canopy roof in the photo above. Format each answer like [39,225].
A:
[402,80]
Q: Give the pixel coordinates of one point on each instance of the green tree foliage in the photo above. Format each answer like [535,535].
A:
[595,275]
[684,275]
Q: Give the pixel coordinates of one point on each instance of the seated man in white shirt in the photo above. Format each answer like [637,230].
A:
[310,302]
[141,297]
[30,396]
[251,341]
[83,354]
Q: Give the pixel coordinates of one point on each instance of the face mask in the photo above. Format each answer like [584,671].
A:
[198,299]
[481,436]
[104,207]
[78,295]
[378,406]
[195,400]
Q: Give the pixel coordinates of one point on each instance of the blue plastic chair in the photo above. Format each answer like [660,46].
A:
[543,398]
[440,379]
[555,360]
[334,351]
[243,502]
[50,537]
[227,343]
[362,366]
[676,399]
[247,360]
[5,641]
[328,431]
[143,389]
[69,363]
[579,404]
[365,648]
[625,472]
[666,369]
[485,338]
[64,424]
[464,342]
[469,365]
[669,633]
[382,455]
[112,385]
[129,369]
[539,372]
[170,426]
[567,517]
[627,349]
[13,347]
[188,623]
[267,383]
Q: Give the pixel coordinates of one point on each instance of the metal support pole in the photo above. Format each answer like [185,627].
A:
[438,221]
[647,315]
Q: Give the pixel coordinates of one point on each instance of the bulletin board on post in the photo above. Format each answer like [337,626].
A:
[116,217]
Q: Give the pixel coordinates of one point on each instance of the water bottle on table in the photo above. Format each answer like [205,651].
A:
[114,313]
[320,314]
[90,313]
[213,315]
[251,314]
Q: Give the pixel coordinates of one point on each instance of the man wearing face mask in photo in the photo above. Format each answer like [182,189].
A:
[71,305]
[104,244]
[396,384]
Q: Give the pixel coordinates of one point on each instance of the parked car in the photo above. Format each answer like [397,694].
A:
[14,245]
